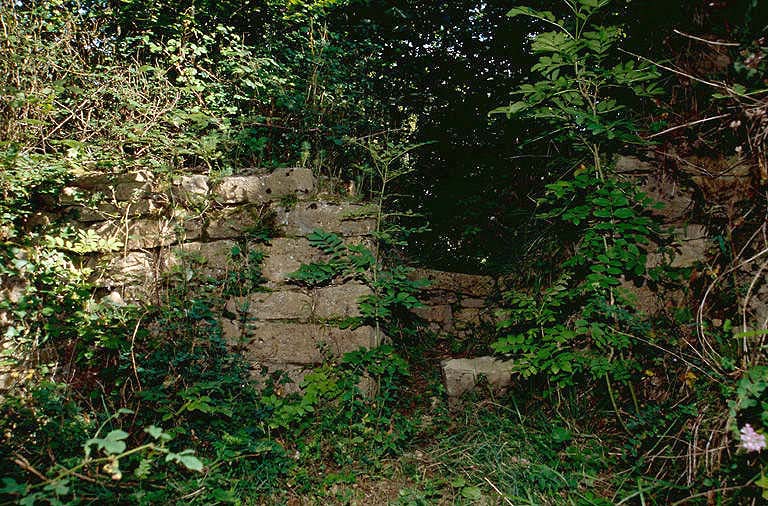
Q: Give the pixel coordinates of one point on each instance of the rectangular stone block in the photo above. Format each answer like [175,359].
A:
[104,211]
[461,375]
[192,189]
[236,222]
[135,267]
[282,305]
[301,343]
[339,301]
[343,219]
[468,284]
[208,258]
[293,182]
[440,313]
[147,233]
[285,255]
[120,187]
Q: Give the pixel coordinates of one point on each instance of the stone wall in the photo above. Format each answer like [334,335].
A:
[186,231]
[151,235]
[457,304]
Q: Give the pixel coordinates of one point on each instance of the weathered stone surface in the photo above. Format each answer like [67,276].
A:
[467,316]
[147,233]
[120,187]
[462,374]
[298,182]
[133,268]
[301,343]
[285,255]
[283,305]
[209,258]
[642,298]
[633,165]
[468,284]
[339,301]
[343,219]
[235,222]
[105,211]
[191,189]
[231,331]
[441,313]
[692,245]
[473,303]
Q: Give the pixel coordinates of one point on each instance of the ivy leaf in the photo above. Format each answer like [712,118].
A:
[114,443]
[187,459]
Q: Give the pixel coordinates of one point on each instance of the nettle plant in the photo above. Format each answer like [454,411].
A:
[581,324]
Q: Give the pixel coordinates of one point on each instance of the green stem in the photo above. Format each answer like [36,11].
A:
[615,406]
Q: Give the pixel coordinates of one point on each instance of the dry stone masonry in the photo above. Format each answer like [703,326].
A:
[190,228]
[149,236]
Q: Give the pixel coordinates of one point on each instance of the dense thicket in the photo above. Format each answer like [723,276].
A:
[347,87]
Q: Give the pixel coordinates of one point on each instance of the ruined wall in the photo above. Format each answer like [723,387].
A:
[185,233]
[198,228]
[457,304]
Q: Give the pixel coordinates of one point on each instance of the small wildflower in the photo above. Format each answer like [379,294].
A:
[751,440]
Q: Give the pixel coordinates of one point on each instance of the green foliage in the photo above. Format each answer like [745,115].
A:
[393,291]
[579,93]
[581,324]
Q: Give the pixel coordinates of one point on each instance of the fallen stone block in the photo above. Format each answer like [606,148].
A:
[461,375]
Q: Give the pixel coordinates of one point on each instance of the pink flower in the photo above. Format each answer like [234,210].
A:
[751,440]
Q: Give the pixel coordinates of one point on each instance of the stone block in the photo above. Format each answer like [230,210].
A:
[104,211]
[282,305]
[692,245]
[208,258]
[470,302]
[441,314]
[236,222]
[231,331]
[120,187]
[191,189]
[301,343]
[295,182]
[132,268]
[461,375]
[467,316]
[468,284]
[147,233]
[339,301]
[285,255]
[342,219]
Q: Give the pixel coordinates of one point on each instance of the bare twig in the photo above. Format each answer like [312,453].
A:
[712,42]
[498,491]
[690,123]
